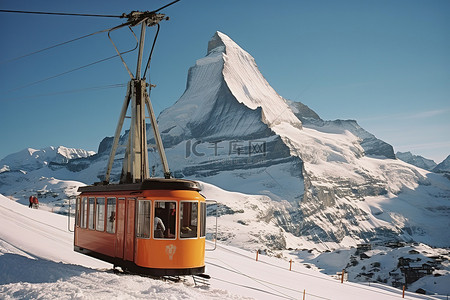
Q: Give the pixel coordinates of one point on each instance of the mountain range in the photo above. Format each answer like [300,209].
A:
[307,180]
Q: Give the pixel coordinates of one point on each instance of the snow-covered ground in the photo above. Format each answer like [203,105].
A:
[37,261]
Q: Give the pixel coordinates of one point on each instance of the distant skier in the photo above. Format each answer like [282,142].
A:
[31,199]
[35,202]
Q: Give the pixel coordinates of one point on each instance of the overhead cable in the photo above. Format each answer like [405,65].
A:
[61,74]
[80,90]
[54,46]
[61,13]
[173,2]
[77,14]
[78,68]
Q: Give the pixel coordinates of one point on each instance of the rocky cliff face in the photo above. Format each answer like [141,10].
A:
[416,160]
[443,167]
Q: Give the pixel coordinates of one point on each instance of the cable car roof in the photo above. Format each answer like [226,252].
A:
[147,184]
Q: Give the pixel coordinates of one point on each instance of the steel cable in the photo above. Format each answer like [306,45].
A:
[93,88]
[54,46]
[84,66]
[61,13]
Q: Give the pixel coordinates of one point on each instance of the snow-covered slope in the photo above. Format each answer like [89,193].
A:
[37,261]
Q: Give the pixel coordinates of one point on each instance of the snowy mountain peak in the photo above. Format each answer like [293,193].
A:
[249,86]
[32,159]
[31,151]
[226,96]
[216,43]
[444,166]
[416,160]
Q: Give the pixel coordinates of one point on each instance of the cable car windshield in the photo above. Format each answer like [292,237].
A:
[188,219]
[165,216]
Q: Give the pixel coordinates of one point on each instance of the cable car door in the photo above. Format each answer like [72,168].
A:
[129,230]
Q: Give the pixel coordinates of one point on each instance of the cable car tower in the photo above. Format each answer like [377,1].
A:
[135,162]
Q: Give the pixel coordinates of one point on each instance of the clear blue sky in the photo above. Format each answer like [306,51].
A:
[385,64]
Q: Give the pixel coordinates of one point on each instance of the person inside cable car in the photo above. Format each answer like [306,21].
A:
[158,225]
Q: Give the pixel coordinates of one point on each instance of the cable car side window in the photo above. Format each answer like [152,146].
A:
[143,219]
[202,219]
[91,213]
[77,211]
[164,220]
[83,213]
[100,213]
[111,215]
[188,219]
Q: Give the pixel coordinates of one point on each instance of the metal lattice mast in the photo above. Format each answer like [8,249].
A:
[135,167]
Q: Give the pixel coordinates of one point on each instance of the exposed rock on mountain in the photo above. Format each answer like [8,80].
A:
[443,167]
[416,160]
[31,159]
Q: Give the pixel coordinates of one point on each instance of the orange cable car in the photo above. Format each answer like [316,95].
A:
[153,226]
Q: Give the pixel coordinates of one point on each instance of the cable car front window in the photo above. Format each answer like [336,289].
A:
[188,219]
[164,220]
[143,219]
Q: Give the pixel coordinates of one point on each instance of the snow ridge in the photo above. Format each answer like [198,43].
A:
[248,85]
[416,160]
[444,166]
[32,159]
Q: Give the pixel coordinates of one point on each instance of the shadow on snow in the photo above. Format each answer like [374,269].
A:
[16,268]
